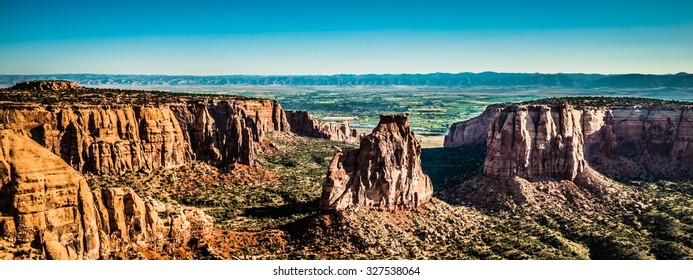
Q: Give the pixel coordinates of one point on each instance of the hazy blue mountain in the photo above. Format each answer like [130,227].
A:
[433,79]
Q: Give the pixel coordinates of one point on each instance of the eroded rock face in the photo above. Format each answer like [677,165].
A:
[383,173]
[119,138]
[52,85]
[105,140]
[538,141]
[46,204]
[472,131]
[223,132]
[304,124]
[535,142]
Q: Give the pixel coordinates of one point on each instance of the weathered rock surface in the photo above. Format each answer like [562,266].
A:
[46,204]
[224,132]
[114,139]
[53,85]
[383,173]
[304,124]
[558,141]
[472,131]
[535,142]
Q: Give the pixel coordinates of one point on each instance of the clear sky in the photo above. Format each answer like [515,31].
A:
[329,37]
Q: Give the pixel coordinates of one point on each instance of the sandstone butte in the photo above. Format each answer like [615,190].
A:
[46,204]
[560,140]
[304,124]
[383,173]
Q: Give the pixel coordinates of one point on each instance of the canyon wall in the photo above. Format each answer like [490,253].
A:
[46,204]
[105,139]
[472,131]
[304,124]
[383,173]
[224,132]
[537,141]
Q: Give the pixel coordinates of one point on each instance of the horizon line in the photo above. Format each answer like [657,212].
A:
[349,74]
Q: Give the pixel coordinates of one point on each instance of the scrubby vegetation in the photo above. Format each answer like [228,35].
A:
[99,96]
[271,211]
[659,226]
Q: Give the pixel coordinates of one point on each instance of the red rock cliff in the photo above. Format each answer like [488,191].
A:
[223,132]
[304,124]
[472,130]
[383,173]
[46,204]
[558,141]
[105,139]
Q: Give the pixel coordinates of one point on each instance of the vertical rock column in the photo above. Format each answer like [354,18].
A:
[383,173]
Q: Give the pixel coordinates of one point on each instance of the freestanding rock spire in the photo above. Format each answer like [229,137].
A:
[384,173]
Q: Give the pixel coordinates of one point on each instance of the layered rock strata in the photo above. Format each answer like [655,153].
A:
[304,124]
[383,173]
[105,139]
[46,204]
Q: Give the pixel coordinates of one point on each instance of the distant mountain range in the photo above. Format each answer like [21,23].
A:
[433,79]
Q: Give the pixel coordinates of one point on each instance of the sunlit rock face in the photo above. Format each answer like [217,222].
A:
[559,141]
[46,204]
[113,139]
[383,173]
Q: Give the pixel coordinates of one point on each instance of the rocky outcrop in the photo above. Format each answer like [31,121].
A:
[50,85]
[558,141]
[304,124]
[46,204]
[535,142]
[472,131]
[383,173]
[224,132]
[104,139]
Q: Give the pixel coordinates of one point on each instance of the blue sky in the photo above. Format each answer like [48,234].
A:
[330,37]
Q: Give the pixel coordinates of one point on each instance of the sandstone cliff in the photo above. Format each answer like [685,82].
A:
[225,131]
[471,131]
[535,141]
[304,124]
[383,173]
[46,204]
[112,139]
